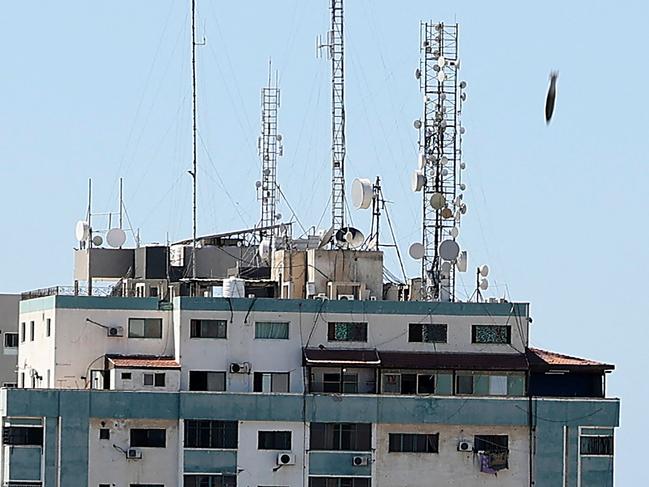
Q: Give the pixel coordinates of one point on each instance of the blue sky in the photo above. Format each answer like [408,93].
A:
[101,90]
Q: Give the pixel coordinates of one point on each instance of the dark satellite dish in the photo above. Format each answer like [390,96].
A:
[349,237]
[551,96]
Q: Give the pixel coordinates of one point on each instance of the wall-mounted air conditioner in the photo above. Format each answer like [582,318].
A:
[133,454]
[285,458]
[465,446]
[346,297]
[359,461]
[240,368]
[115,331]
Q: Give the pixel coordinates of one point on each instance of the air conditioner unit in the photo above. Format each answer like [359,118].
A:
[240,368]
[133,454]
[322,296]
[346,297]
[116,331]
[465,446]
[372,298]
[359,461]
[285,458]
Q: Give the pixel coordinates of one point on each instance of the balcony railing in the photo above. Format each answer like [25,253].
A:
[67,291]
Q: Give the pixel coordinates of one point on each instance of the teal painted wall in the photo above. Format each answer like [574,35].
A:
[338,463]
[74,410]
[25,463]
[51,435]
[210,461]
[597,471]
[88,302]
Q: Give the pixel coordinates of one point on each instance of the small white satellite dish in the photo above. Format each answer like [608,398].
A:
[326,238]
[97,240]
[441,61]
[416,251]
[417,124]
[484,284]
[350,237]
[484,270]
[362,193]
[441,76]
[264,249]
[443,160]
[82,231]
[442,96]
[455,232]
[462,262]
[449,250]
[257,184]
[116,237]
[437,201]
[418,181]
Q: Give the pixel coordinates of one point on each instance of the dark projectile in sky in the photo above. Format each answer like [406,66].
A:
[552,94]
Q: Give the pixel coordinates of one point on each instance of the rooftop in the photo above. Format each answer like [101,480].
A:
[143,362]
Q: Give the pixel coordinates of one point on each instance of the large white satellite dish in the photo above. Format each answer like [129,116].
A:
[484,284]
[416,251]
[350,237]
[116,237]
[437,201]
[462,262]
[82,231]
[264,249]
[449,250]
[362,193]
[418,181]
[484,270]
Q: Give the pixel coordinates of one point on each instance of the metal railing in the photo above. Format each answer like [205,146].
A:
[66,291]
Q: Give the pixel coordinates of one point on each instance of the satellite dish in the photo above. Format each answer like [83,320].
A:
[326,238]
[446,268]
[437,201]
[279,137]
[264,249]
[417,124]
[463,208]
[462,84]
[441,76]
[462,130]
[416,251]
[484,270]
[82,231]
[350,237]
[449,250]
[422,161]
[418,181]
[436,68]
[417,73]
[97,240]
[454,232]
[257,184]
[362,193]
[443,160]
[484,284]
[462,165]
[266,172]
[441,61]
[278,216]
[447,213]
[462,261]
[116,237]
[462,185]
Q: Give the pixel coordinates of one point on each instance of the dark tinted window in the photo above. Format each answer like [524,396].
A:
[341,436]
[154,437]
[204,380]
[339,482]
[414,443]
[205,433]
[274,440]
[596,445]
[208,329]
[491,443]
[145,328]
[22,435]
[347,332]
[427,332]
[210,481]
[491,334]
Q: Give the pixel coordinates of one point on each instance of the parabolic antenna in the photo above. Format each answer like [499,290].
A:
[462,262]
[82,231]
[446,268]
[484,270]
[484,283]
[264,249]
[417,124]
[447,213]
[416,251]
[350,237]
[437,201]
[326,238]
[441,76]
[362,193]
[116,237]
[449,250]
[418,181]
[454,232]
[97,240]
[257,184]
[421,161]
[441,61]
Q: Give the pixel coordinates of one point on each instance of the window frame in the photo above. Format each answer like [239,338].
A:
[351,437]
[32,330]
[146,321]
[430,440]
[357,337]
[23,332]
[22,435]
[496,443]
[474,334]
[206,372]
[280,440]
[148,438]
[15,336]
[48,327]
[258,380]
[196,329]
[260,324]
[220,435]
[606,440]
[418,329]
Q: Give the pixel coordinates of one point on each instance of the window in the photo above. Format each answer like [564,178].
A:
[464,384]
[491,443]
[413,443]
[145,328]
[48,327]
[9,384]
[341,436]
[491,334]
[274,440]
[22,332]
[153,437]
[339,482]
[596,445]
[271,330]
[203,380]
[208,329]
[104,434]
[126,376]
[156,380]
[347,332]
[210,481]
[498,385]
[31,331]
[334,383]
[271,382]
[205,433]
[22,435]
[11,340]
[146,485]
[396,383]
[427,332]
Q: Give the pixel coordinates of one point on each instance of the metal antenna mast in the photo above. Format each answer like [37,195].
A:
[335,45]
[269,148]
[194,145]
[440,144]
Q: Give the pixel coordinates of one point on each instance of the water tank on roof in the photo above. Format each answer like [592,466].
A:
[234,287]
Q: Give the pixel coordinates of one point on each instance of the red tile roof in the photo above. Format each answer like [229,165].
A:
[544,358]
[144,362]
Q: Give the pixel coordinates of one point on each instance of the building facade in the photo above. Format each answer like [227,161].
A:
[9,335]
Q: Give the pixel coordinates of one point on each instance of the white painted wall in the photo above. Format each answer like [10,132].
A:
[448,467]
[256,466]
[110,466]
[136,382]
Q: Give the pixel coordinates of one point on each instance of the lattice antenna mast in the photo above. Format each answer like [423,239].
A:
[336,52]
[440,143]
[269,148]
